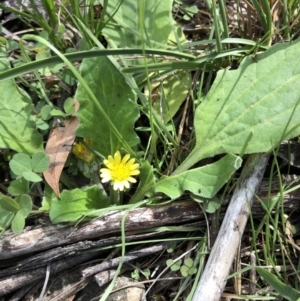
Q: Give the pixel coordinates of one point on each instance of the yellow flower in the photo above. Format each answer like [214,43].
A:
[82,152]
[119,171]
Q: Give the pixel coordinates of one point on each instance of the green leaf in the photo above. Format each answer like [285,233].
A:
[137,22]
[209,205]
[5,219]
[117,100]
[45,112]
[135,274]
[76,203]
[170,94]
[18,187]
[18,223]
[174,267]
[69,106]
[9,204]
[171,246]
[25,205]
[20,163]
[284,290]
[56,112]
[146,183]
[49,195]
[40,162]
[32,177]
[189,262]
[184,270]
[203,181]
[187,268]
[41,124]
[192,271]
[17,130]
[146,272]
[260,101]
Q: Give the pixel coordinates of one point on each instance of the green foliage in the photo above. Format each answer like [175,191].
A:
[14,211]
[203,181]
[24,166]
[146,183]
[136,274]
[133,24]
[282,289]
[251,109]
[255,107]
[170,94]
[171,246]
[76,203]
[18,186]
[115,97]
[210,205]
[174,266]
[9,204]
[17,129]
[187,269]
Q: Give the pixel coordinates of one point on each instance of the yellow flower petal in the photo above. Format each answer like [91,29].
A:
[82,152]
[119,171]
[126,158]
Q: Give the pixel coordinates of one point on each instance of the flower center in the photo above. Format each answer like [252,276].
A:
[120,173]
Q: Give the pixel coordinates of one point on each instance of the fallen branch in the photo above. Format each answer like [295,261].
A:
[213,279]
[54,236]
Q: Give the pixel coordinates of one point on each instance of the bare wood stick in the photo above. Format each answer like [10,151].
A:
[213,281]
[47,238]
[128,257]
[10,284]
[45,257]
[137,219]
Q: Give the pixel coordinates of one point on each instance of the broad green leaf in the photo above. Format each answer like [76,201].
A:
[18,223]
[40,162]
[69,106]
[209,205]
[168,96]
[137,23]
[49,195]
[177,36]
[32,177]
[117,100]
[18,187]
[25,205]
[45,112]
[5,219]
[56,112]
[73,204]
[281,288]
[20,163]
[212,205]
[8,204]
[146,183]
[203,181]
[17,130]
[41,124]
[256,106]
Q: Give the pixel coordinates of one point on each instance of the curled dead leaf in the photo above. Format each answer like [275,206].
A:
[58,148]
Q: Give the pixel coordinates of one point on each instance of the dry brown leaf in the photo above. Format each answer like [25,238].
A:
[58,148]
